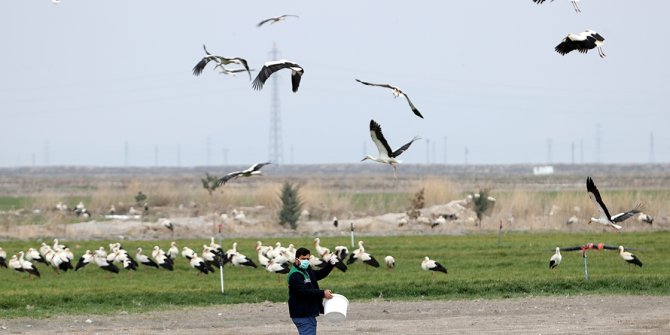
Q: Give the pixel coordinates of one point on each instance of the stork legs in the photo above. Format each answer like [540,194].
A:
[601,53]
[574,5]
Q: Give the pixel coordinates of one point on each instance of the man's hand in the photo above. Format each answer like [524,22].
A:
[328,294]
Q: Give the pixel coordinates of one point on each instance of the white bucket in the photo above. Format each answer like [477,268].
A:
[335,309]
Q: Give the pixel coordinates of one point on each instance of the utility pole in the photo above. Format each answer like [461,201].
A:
[572,151]
[466,155]
[208,150]
[549,154]
[444,153]
[427,151]
[125,154]
[651,148]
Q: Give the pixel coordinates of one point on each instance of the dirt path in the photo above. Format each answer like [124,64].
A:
[540,315]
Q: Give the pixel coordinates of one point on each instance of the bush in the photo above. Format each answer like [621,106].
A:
[291,205]
[210,183]
[416,204]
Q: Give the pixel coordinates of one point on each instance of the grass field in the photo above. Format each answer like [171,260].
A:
[478,268]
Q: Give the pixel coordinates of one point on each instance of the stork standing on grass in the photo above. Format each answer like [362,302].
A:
[100,259]
[273,66]
[390,262]
[220,62]
[628,257]
[320,251]
[187,253]
[430,265]
[396,93]
[605,217]
[199,264]
[84,260]
[3,258]
[574,4]
[161,258]
[253,170]
[555,259]
[386,155]
[582,42]
[275,19]
[144,260]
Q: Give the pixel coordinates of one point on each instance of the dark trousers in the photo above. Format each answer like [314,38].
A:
[306,326]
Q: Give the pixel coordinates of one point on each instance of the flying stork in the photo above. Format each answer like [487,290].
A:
[396,93]
[605,217]
[582,42]
[275,19]
[251,171]
[220,62]
[386,155]
[574,4]
[273,66]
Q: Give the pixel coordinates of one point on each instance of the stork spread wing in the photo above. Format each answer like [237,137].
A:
[404,147]
[271,67]
[378,138]
[594,195]
[372,84]
[264,21]
[411,105]
[228,177]
[258,166]
[621,217]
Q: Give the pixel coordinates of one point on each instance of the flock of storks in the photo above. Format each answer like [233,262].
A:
[277,259]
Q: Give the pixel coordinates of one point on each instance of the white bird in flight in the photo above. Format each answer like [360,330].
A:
[220,62]
[605,217]
[396,93]
[251,171]
[273,66]
[582,42]
[275,19]
[386,155]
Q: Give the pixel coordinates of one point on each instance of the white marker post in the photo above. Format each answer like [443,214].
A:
[351,226]
[220,260]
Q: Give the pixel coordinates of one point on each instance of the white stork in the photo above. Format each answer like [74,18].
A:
[643,217]
[582,42]
[605,217]
[341,252]
[161,258]
[574,4]
[34,255]
[220,62]
[199,264]
[628,257]
[187,253]
[3,258]
[386,155]
[84,260]
[273,66]
[555,259]
[320,251]
[251,171]
[275,19]
[278,268]
[28,267]
[396,93]
[173,252]
[144,260]
[390,262]
[100,259]
[240,260]
[262,260]
[430,265]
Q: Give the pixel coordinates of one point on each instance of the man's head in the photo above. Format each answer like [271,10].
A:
[301,253]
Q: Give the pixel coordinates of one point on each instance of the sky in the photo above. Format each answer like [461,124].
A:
[109,83]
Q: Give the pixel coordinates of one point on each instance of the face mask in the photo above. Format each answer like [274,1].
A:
[304,264]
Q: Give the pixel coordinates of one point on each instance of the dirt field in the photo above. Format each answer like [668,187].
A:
[537,315]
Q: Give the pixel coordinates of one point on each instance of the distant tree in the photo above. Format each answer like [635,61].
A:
[416,204]
[210,183]
[482,205]
[291,205]
[140,197]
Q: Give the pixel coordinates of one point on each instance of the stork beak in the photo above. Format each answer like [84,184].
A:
[364,158]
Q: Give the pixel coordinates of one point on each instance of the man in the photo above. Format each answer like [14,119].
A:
[304,295]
